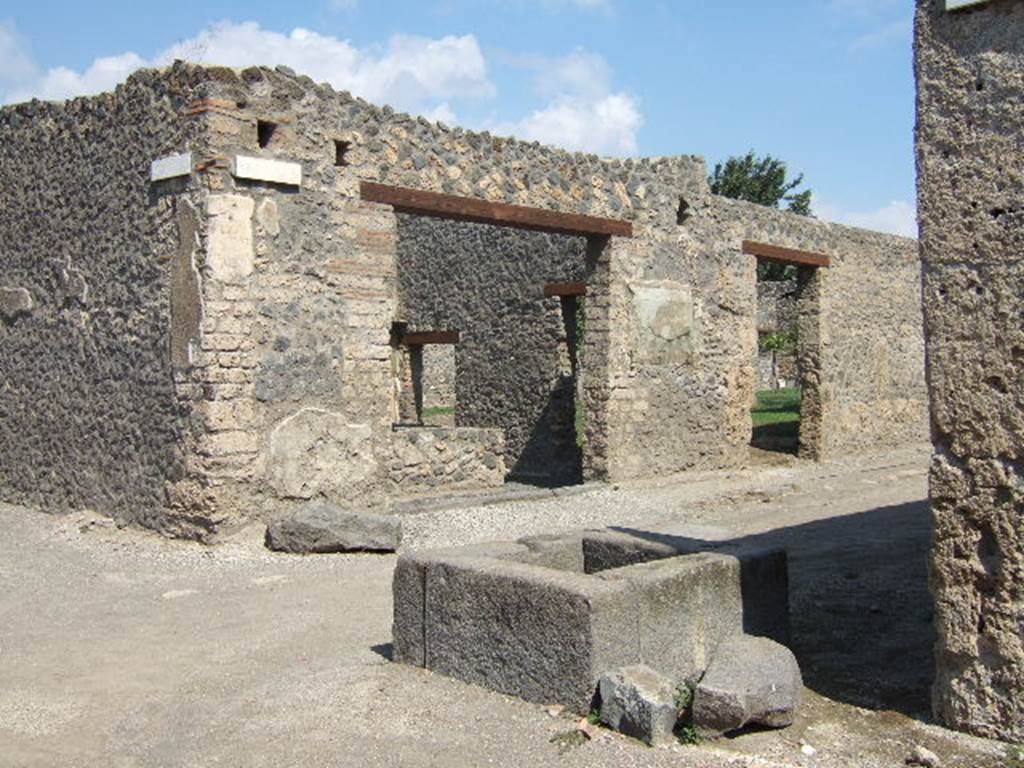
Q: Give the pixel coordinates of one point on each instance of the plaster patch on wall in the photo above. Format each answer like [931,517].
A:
[268,218]
[663,321]
[229,252]
[14,302]
[318,453]
[186,298]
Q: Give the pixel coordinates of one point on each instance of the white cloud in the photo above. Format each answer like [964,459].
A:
[583,112]
[606,126]
[898,217]
[429,76]
[410,72]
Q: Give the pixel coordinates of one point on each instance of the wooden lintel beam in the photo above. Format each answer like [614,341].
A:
[486,212]
[565,289]
[785,255]
[415,338]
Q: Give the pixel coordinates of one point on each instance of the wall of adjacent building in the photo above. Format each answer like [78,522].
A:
[275,308]
[970,112]
[89,416]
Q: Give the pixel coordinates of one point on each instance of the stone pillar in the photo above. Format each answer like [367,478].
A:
[970,111]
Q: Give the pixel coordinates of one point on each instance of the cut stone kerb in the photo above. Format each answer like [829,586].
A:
[535,620]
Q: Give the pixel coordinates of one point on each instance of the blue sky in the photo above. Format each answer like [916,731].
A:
[826,85]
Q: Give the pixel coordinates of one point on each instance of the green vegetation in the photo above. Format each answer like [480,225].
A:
[594,716]
[776,418]
[1015,757]
[760,180]
[777,406]
[780,341]
[685,731]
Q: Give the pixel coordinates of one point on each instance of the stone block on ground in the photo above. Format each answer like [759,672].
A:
[750,681]
[639,702]
[323,528]
[540,634]
[685,607]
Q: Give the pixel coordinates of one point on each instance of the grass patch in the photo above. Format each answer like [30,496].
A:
[776,417]
[776,406]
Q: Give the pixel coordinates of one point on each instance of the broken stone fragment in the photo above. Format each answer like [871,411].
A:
[924,757]
[639,702]
[320,528]
[750,681]
[14,302]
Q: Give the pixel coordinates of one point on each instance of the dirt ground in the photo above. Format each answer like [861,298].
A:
[118,648]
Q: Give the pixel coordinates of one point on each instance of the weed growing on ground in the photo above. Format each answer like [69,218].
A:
[594,717]
[1015,757]
[685,730]
[568,740]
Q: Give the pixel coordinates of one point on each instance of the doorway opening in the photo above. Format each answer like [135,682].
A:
[786,413]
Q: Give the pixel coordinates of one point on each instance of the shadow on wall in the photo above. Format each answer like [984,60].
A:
[551,456]
[860,610]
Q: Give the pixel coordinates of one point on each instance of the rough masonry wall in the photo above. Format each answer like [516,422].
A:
[88,414]
[860,344]
[512,363]
[332,263]
[970,69]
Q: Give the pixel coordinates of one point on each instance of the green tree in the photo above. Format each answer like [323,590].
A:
[762,180]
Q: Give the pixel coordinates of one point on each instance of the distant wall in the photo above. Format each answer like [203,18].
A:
[970,118]
[88,410]
[512,364]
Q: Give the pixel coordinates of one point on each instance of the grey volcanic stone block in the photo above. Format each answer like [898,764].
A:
[639,702]
[540,634]
[685,607]
[324,528]
[751,680]
[521,618]
[764,571]
[409,594]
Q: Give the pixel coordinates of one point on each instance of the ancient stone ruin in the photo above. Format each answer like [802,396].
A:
[549,618]
[234,306]
[970,66]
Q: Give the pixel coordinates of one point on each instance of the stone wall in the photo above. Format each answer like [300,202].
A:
[970,111]
[860,339]
[776,312]
[279,294]
[435,459]
[776,305]
[512,363]
[88,409]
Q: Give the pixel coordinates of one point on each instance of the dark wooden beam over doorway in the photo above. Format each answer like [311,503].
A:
[565,289]
[415,338]
[485,212]
[785,255]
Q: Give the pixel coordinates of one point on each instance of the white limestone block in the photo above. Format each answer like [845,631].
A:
[272,171]
[171,167]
